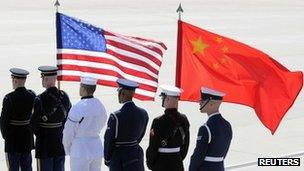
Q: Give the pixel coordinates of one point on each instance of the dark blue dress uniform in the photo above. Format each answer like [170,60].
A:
[169,142]
[126,128]
[50,113]
[15,116]
[213,140]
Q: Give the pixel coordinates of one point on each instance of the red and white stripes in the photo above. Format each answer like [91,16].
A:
[132,58]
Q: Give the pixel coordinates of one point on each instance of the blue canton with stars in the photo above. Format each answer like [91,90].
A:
[73,33]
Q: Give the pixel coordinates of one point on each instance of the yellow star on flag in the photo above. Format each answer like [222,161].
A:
[216,65]
[199,46]
[224,60]
[219,40]
[225,49]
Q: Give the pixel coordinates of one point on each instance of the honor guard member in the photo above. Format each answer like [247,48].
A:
[81,138]
[169,134]
[214,137]
[15,118]
[50,112]
[126,128]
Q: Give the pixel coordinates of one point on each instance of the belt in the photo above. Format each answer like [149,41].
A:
[50,125]
[169,150]
[126,144]
[214,159]
[19,122]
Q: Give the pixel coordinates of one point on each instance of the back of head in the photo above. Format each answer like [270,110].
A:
[126,90]
[18,77]
[49,75]
[49,81]
[170,96]
[127,94]
[88,84]
[90,89]
[211,100]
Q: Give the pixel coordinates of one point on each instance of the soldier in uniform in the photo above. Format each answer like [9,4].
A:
[169,135]
[81,138]
[126,128]
[15,118]
[214,137]
[50,112]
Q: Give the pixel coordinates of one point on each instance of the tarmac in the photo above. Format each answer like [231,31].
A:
[27,40]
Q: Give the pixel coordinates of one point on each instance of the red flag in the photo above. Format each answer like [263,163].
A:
[247,75]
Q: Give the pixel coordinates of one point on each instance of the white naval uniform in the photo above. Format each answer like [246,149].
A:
[81,138]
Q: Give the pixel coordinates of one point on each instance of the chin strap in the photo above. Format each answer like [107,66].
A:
[204,104]
[163,100]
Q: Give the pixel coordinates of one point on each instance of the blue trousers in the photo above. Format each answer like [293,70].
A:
[19,160]
[51,164]
[127,159]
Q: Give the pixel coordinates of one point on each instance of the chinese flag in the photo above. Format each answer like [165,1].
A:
[247,75]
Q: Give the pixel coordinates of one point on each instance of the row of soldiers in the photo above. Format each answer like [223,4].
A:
[61,129]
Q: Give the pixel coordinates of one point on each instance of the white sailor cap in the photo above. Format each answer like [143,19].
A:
[211,94]
[169,90]
[86,80]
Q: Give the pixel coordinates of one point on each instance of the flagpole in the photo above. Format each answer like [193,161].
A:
[178,46]
[180,11]
[57,4]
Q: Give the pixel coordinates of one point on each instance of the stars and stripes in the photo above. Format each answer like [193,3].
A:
[83,49]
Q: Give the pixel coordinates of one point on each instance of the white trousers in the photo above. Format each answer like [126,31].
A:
[80,164]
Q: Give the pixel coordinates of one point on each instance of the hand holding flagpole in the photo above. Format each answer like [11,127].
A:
[180,10]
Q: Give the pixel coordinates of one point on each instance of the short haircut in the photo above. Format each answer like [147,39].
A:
[128,94]
[90,89]
[19,78]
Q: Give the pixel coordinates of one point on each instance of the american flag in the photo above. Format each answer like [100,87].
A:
[84,49]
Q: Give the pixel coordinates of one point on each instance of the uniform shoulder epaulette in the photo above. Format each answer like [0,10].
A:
[63,93]
[32,92]
[185,120]
[43,93]
[113,114]
[183,115]
[9,94]
[159,117]
[116,112]
[111,117]
[6,97]
[141,109]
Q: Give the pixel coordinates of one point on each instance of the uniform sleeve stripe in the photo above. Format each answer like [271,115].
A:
[209,133]
[116,130]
